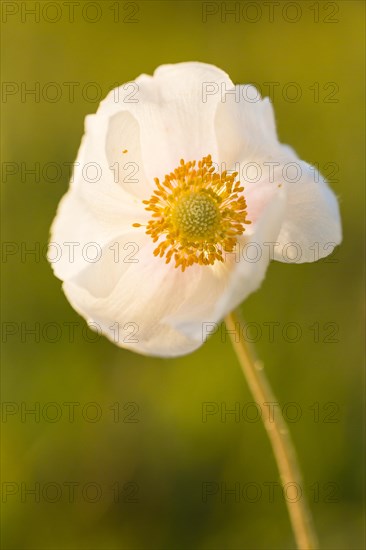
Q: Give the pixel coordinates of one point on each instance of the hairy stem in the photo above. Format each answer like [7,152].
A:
[279,436]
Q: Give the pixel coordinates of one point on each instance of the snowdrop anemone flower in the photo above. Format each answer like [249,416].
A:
[181,194]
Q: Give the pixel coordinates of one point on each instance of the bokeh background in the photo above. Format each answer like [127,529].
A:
[138,470]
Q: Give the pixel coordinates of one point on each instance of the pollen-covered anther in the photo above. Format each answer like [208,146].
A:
[197,214]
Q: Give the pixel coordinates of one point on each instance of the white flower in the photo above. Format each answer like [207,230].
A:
[215,236]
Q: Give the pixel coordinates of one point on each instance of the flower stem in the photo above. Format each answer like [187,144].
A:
[279,437]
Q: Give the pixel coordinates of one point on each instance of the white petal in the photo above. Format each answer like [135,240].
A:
[149,295]
[248,143]
[175,110]
[123,150]
[120,174]
[245,128]
[79,233]
[312,225]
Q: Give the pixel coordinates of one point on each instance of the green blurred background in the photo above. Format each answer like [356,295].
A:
[149,455]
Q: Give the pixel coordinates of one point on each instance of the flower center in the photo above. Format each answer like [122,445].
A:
[197,214]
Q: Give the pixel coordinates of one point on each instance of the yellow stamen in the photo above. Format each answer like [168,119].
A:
[199,211]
